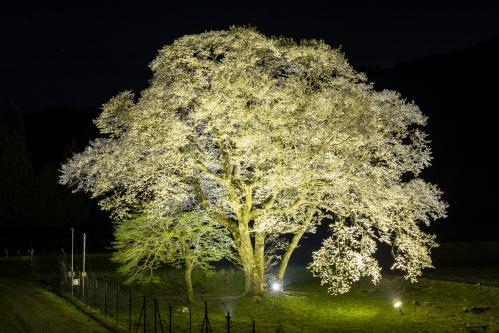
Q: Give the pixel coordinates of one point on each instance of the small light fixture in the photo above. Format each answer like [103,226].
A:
[398,305]
[276,286]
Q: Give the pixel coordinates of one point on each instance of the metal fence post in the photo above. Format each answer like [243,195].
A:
[129,310]
[117,301]
[105,299]
[156,312]
[95,293]
[62,274]
[228,321]
[142,310]
[206,326]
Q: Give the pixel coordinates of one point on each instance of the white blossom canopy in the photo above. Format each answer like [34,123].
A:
[249,128]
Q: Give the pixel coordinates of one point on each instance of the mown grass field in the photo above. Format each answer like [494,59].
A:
[430,305]
[27,306]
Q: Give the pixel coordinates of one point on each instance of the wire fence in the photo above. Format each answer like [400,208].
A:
[131,311]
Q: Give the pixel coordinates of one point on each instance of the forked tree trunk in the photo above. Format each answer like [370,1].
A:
[293,245]
[188,280]
[251,259]
[287,255]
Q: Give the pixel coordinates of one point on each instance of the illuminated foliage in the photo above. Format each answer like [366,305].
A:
[265,136]
[143,245]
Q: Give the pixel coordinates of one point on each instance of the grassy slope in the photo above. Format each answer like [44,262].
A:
[306,307]
[482,274]
[428,306]
[26,306]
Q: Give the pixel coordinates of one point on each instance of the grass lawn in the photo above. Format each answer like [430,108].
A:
[482,274]
[428,306]
[25,306]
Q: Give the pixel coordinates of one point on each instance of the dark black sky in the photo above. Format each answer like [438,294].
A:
[81,56]
[58,55]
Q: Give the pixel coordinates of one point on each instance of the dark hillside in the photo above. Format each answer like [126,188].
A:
[458,91]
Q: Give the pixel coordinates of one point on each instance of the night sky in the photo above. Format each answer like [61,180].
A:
[80,56]
[77,57]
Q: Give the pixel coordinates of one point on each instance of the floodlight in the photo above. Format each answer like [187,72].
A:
[276,286]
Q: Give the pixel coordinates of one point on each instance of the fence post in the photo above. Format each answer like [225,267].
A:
[228,321]
[95,293]
[130,310]
[105,299]
[72,250]
[140,316]
[253,325]
[144,314]
[190,319]
[62,274]
[83,273]
[117,302]
[206,322]
[155,312]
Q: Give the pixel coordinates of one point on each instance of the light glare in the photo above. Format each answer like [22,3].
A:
[276,286]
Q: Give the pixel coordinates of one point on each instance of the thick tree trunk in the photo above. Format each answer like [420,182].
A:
[251,260]
[188,280]
[259,263]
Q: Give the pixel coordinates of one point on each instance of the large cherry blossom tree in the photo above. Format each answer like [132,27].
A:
[269,137]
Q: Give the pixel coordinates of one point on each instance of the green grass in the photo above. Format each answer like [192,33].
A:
[306,307]
[428,306]
[26,306]
[481,274]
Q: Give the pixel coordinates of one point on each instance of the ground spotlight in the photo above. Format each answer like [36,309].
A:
[398,305]
[276,286]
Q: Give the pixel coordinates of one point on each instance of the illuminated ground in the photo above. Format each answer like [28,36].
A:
[28,307]
[428,306]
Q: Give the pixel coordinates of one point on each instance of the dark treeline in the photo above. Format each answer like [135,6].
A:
[456,90]
[33,206]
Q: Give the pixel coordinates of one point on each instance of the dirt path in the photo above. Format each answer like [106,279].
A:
[27,307]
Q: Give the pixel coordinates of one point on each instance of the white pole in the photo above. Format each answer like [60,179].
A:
[84,273]
[72,243]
